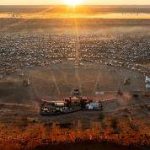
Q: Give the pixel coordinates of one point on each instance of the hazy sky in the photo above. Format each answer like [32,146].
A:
[109,2]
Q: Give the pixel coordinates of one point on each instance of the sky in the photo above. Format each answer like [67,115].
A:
[94,2]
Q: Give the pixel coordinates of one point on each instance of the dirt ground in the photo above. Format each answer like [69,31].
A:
[19,103]
[58,80]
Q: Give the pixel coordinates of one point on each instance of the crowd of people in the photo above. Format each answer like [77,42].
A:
[27,50]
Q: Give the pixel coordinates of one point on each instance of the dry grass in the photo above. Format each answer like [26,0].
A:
[133,132]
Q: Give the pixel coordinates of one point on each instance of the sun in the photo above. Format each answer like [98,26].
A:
[73,2]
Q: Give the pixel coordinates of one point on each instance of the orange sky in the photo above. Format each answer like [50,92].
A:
[101,2]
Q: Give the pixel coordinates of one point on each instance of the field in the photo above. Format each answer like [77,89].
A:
[106,58]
